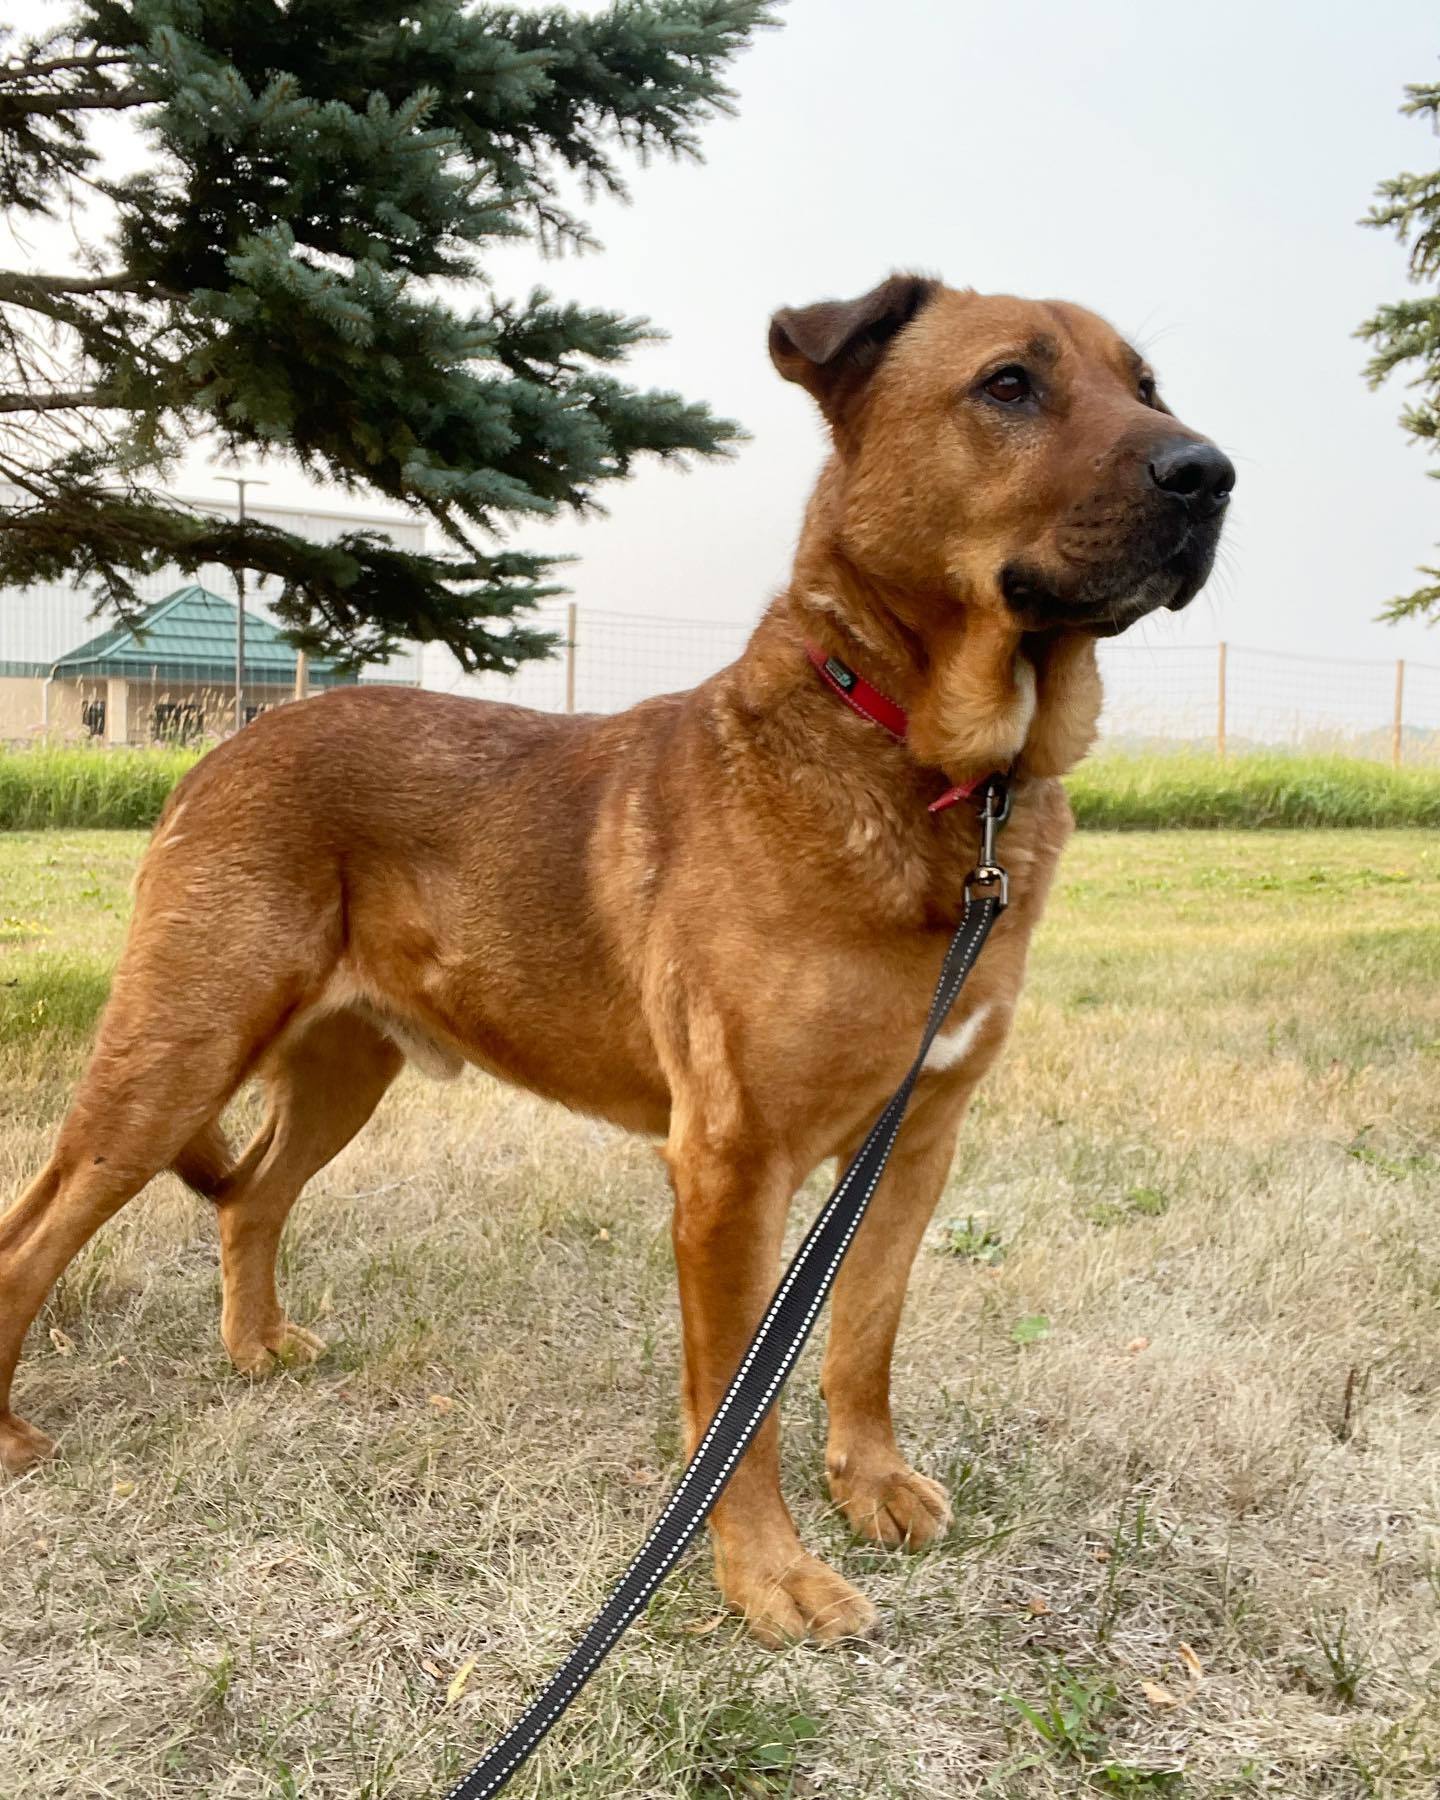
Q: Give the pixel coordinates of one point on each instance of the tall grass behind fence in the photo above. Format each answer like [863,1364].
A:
[65,786]
[1117,791]
[47,787]
[1190,735]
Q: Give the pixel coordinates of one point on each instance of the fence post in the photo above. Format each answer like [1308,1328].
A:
[1397,730]
[1220,704]
[570,630]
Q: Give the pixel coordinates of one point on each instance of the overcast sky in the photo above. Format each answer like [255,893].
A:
[1194,174]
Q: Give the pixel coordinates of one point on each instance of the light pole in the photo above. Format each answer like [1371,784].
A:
[240,483]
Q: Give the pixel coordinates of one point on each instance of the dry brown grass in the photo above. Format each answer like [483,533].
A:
[1203,1186]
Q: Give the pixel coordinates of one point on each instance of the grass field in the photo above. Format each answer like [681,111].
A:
[1174,1346]
[59,786]
[68,787]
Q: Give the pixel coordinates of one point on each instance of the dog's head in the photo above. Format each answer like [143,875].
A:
[1012,454]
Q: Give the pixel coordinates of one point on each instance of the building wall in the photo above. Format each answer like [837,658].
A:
[130,708]
[22,707]
[184,710]
[19,706]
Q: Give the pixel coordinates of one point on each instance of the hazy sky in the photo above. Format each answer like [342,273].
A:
[1193,174]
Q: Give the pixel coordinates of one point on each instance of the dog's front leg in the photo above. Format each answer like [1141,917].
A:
[730,1211]
[880,1494]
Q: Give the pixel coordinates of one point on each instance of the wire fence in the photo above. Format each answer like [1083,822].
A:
[1233,699]
[1221,697]
[604,661]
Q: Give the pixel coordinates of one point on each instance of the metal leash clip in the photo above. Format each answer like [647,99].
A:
[994,811]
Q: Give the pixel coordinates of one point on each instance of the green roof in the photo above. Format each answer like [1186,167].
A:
[190,636]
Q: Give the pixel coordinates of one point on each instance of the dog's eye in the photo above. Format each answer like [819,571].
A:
[1148,390]
[1008,385]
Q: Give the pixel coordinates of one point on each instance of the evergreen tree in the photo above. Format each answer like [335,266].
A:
[1408,331]
[296,272]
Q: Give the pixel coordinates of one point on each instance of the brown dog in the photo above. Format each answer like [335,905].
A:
[717,917]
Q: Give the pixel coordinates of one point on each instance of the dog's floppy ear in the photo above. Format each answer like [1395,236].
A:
[833,347]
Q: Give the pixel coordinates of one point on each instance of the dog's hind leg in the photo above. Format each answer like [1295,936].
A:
[324,1081]
[161,1072]
[203,989]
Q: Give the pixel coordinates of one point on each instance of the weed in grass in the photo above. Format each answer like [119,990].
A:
[167,1610]
[973,1241]
[1071,1720]
[1396,1167]
[216,1680]
[1137,1203]
[1131,1544]
[987,1478]
[1342,1666]
[1397,1760]
[746,1753]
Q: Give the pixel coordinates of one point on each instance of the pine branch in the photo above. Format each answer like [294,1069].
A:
[16,284]
[15,108]
[18,71]
[1423,603]
[271,285]
[1405,334]
[59,401]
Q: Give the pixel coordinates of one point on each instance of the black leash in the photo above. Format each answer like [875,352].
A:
[773,1350]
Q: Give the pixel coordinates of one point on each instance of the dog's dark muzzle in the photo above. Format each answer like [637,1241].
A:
[1163,560]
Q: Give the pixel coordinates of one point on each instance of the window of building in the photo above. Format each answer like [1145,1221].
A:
[178,721]
[92,717]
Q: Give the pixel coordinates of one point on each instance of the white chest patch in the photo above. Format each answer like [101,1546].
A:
[952,1047]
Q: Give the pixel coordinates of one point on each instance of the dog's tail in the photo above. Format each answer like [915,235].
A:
[206,1162]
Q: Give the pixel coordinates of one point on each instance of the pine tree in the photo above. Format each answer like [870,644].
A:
[1408,331]
[296,272]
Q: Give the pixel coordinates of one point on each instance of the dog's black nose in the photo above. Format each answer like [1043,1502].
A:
[1197,473]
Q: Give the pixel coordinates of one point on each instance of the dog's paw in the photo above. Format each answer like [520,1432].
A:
[890,1503]
[21,1444]
[286,1346]
[800,1598]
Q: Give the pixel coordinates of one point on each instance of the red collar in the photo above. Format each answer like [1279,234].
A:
[867,700]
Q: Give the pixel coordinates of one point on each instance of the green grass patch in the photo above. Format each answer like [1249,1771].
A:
[96,788]
[53,1000]
[125,789]
[64,905]
[1071,1720]
[120,789]
[1265,790]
